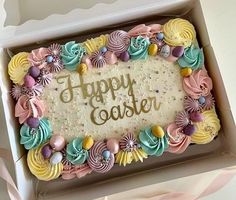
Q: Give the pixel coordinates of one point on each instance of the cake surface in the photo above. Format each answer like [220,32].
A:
[114,99]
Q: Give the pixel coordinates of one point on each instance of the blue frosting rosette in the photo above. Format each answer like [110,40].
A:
[34,137]
[71,55]
[138,48]
[151,144]
[75,152]
[193,57]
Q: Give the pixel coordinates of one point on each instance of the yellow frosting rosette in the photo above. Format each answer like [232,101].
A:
[41,167]
[95,44]
[207,129]
[179,32]
[18,67]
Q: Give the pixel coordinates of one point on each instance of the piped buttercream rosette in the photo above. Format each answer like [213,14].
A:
[42,168]
[96,160]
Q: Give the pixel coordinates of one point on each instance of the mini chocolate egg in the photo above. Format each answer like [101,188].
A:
[82,68]
[125,56]
[160,36]
[56,158]
[158,131]
[165,51]
[201,100]
[110,58]
[185,72]
[88,142]
[34,71]
[33,122]
[113,145]
[49,59]
[106,154]
[152,49]
[103,49]
[29,81]
[46,151]
[189,129]
[178,51]
[57,142]
[196,117]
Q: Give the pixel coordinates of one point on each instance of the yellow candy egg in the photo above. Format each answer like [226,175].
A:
[82,68]
[158,131]
[88,142]
[186,71]
[152,49]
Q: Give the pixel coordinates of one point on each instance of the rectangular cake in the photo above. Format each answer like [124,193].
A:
[115,99]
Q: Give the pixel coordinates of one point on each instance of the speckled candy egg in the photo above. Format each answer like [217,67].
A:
[196,117]
[29,81]
[56,158]
[178,51]
[189,129]
[57,142]
[34,71]
[33,122]
[113,145]
[165,51]
[125,56]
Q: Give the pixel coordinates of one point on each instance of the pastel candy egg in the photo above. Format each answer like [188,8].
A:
[110,58]
[178,51]
[34,71]
[88,142]
[46,151]
[113,145]
[125,56]
[56,158]
[189,129]
[165,51]
[201,100]
[33,122]
[29,81]
[86,60]
[152,49]
[106,154]
[158,131]
[57,142]
[49,59]
[160,36]
[103,49]
[82,68]
[196,117]
[185,72]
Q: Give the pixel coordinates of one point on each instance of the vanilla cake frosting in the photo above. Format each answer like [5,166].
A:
[115,99]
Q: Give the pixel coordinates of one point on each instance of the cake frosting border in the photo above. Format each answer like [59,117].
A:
[50,156]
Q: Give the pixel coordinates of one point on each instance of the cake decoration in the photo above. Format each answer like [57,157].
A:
[108,75]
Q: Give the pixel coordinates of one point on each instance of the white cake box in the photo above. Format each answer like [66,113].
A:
[21,31]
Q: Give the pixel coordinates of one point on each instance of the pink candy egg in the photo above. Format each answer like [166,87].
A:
[113,145]
[57,142]
[110,58]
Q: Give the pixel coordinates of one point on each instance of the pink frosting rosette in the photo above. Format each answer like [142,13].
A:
[145,31]
[79,171]
[197,84]
[37,57]
[178,142]
[26,107]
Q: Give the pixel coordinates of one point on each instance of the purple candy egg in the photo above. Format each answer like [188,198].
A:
[46,151]
[29,81]
[33,122]
[196,117]
[34,71]
[124,56]
[178,51]
[189,129]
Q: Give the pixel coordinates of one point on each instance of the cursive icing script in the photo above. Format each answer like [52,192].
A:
[95,92]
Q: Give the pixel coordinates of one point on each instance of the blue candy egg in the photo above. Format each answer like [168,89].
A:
[201,100]
[103,49]
[106,154]
[49,59]
[160,36]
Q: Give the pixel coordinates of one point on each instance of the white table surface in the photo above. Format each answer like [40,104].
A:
[221,21]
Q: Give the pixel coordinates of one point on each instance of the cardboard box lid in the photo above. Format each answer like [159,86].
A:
[220,22]
[15,32]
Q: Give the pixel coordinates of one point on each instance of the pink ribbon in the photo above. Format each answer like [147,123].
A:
[5,175]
